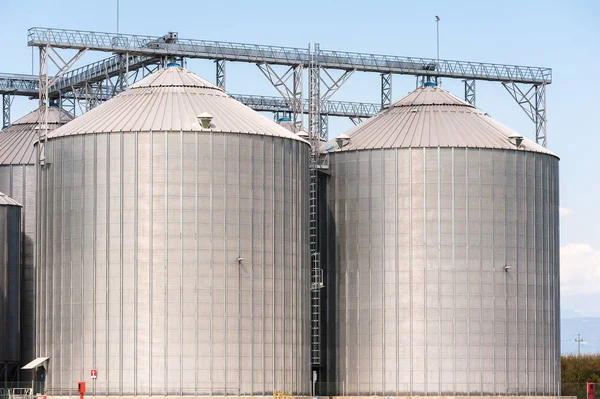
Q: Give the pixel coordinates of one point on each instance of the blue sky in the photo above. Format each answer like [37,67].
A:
[558,34]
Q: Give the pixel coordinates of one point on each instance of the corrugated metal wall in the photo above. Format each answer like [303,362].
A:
[18,182]
[10,276]
[419,240]
[140,235]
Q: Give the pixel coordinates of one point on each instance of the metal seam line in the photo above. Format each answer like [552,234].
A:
[196,266]
[121,326]
[94,256]
[493,225]
[135,262]
[526,247]
[252,254]
[226,263]
[273,260]
[479,192]
[453,205]
[107,260]
[264,269]
[211,263]
[383,301]
[150,259]
[425,257]
[410,267]
[396,267]
[439,267]
[181,290]
[59,271]
[370,225]
[166,265]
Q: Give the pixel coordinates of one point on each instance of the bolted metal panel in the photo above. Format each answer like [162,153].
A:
[447,264]
[10,280]
[174,260]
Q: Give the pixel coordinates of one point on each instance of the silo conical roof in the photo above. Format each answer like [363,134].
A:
[172,99]
[5,200]
[17,140]
[432,117]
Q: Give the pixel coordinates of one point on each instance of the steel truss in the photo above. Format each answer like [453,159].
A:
[356,120]
[6,103]
[386,90]
[158,46]
[49,55]
[470,91]
[533,102]
[169,47]
[290,91]
[220,80]
[331,108]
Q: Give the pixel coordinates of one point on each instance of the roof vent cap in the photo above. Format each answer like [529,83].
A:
[205,119]
[173,64]
[516,139]
[285,119]
[429,84]
[342,140]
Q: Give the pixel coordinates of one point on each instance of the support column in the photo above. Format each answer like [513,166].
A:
[470,91]
[540,115]
[220,65]
[6,102]
[386,90]
[297,99]
[533,102]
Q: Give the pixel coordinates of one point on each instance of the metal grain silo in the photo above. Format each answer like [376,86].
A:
[17,179]
[173,254]
[10,294]
[443,260]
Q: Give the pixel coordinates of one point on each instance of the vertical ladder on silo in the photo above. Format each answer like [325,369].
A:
[316,278]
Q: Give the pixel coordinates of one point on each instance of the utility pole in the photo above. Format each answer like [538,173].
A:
[117,17]
[437,25]
[579,341]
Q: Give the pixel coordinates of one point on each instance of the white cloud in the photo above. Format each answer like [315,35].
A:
[566,212]
[579,270]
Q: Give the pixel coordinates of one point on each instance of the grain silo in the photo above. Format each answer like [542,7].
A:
[17,179]
[443,261]
[173,255]
[10,295]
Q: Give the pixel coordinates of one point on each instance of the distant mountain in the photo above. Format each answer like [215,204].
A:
[589,330]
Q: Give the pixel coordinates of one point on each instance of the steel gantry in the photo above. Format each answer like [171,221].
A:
[12,85]
[27,86]
[171,45]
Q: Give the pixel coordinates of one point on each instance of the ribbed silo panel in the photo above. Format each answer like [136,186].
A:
[143,276]
[18,182]
[10,276]
[448,268]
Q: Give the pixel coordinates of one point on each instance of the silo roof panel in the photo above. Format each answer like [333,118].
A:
[171,100]
[17,141]
[5,200]
[432,117]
